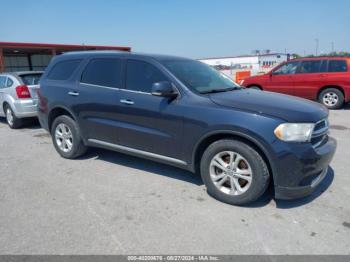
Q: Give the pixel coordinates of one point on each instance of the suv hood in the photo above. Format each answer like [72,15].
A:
[289,108]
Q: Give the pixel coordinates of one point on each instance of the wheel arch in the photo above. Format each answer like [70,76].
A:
[341,89]
[58,111]
[210,138]
[258,85]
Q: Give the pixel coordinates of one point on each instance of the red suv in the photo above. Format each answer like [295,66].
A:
[326,79]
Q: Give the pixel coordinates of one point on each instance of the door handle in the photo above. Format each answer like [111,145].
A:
[73,93]
[126,101]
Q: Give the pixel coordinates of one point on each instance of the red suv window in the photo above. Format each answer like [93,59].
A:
[337,66]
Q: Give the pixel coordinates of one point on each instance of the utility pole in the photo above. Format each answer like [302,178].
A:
[317,42]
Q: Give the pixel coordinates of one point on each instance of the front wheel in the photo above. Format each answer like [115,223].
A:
[234,172]
[332,98]
[255,88]
[66,137]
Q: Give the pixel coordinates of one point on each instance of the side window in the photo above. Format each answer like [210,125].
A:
[286,69]
[323,67]
[63,70]
[9,82]
[103,72]
[2,81]
[309,67]
[141,75]
[337,66]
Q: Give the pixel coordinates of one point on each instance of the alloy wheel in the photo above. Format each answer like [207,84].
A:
[330,99]
[64,137]
[231,173]
[9,116]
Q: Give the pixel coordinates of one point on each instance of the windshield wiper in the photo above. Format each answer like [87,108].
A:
[219,90]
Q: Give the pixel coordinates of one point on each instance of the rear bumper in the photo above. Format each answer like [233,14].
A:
[308,167]
[25,108]
[43,120]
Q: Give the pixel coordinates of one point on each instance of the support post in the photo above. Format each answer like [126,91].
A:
[2,62]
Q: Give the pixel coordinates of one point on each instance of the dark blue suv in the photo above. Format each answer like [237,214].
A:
[184,113]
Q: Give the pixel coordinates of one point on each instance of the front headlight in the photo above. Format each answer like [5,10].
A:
[294,132]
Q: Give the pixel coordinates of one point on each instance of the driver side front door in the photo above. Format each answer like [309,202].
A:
[281,80]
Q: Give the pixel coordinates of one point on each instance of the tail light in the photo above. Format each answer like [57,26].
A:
[23,92]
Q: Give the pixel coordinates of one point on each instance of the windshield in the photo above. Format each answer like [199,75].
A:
[31,79]
[200,77]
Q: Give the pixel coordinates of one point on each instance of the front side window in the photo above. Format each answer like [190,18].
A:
[103,72]
[199,76]
[337,66]
[308,67]
[287,69]
[63,70]
[140,76]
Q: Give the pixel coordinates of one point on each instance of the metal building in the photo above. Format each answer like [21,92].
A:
[35,56]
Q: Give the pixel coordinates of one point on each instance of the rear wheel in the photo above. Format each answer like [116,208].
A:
[11,119]
[66,137]
[234,172]
[332,98]
[255,88]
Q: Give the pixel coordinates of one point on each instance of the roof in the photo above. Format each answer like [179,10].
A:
[60,46]
[159,57]
[321,58]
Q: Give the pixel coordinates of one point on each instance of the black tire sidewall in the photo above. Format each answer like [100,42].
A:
[339,94]
[75,133]
[255,88]
[260,179]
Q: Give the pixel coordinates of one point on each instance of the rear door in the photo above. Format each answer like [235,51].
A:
[281,79]
[310,76]
[149,123]
[97,103]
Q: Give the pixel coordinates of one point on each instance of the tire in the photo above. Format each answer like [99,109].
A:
[255,88]
[66,137]
[332,98]
[253,164]
[11,119]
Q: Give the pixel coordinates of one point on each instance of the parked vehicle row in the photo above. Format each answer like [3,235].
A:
[323,79]
[18,96]
[182,112]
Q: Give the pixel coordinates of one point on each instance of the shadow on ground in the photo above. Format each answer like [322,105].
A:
[28,123]
[143,164]
[176,173]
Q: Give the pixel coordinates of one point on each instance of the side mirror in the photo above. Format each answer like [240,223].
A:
[164,89]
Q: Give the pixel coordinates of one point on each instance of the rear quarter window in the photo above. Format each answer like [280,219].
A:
[337,66]
[63,70]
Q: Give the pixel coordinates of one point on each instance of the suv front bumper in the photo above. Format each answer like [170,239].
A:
[310,167]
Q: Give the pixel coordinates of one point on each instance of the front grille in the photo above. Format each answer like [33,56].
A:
[320,133]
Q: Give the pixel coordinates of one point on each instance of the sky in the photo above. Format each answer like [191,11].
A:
[191,28]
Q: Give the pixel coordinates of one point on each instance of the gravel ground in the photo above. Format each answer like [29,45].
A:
[109,203]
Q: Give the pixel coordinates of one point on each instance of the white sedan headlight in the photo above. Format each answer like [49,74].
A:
[294,132]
